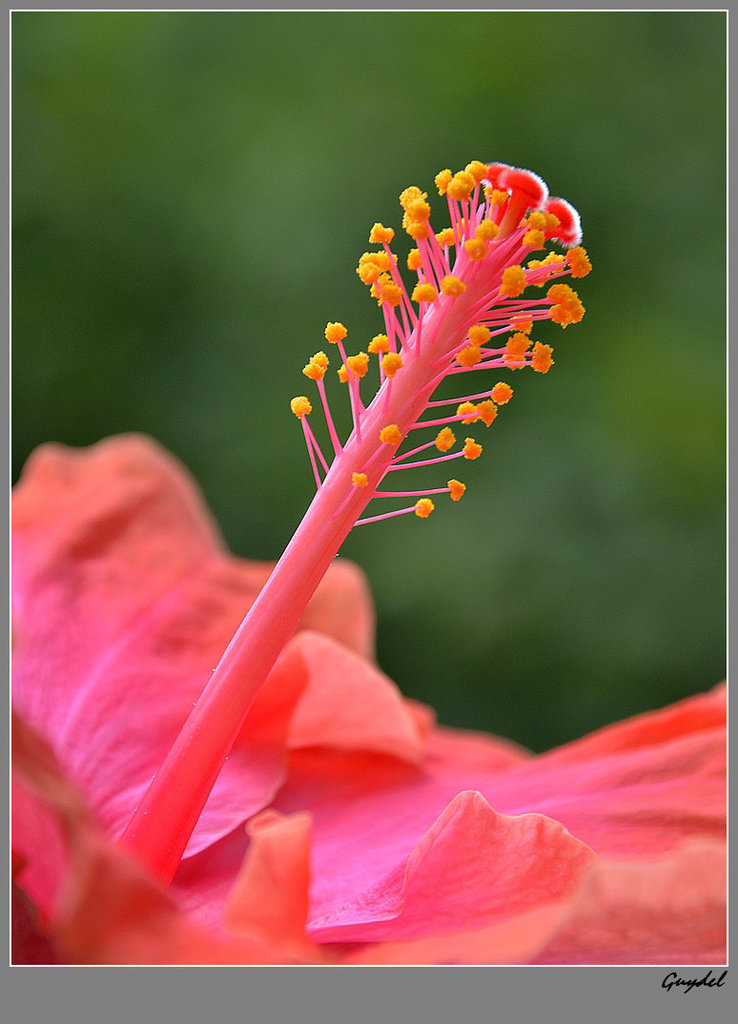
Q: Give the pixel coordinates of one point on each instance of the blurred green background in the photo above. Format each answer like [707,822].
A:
[191,194]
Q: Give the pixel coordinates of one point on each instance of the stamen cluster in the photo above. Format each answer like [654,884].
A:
[474,302]
[475,283]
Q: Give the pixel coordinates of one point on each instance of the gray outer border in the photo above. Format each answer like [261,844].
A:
[327,995]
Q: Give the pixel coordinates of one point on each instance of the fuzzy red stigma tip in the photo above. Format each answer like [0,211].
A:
[569,231]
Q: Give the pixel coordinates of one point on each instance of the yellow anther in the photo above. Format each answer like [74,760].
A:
[446,238]
[424,293]
[418,209]
[381,258]
[442,179]
[414,261]
[368,272]
[534,239]
[476,248]
[380,235]
[445,439]
[316,367]
[515,349]
[410,194]
[359,479]
[525,326]
[390,434]
[371,265]
[358,364]
[501,393]
[477,169]
[469,356]
[391,294]
[391,363]
[385,290]
[486,229]
[518,343]
[313,371]
[342,373]
[479,335]
[552,258]
[552,222]
[451,285]
[469,411]
[461,186]
[513,281]
[578,261]
[472,450]
[379,343]
[495,196]
[424,507]
[455,489]
[335,332]
[301,406]
[541,360]
[416,228]
[567,308]
[487,412]
[537,220]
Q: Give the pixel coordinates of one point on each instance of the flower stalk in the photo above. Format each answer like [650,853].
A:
[499,215]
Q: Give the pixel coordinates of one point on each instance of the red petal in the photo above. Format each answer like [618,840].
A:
[29,943]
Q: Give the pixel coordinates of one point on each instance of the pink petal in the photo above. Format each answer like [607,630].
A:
[631,803]
[257,763]
[319,694]
[202,882]
[106,910]
[666,911]
[701,713]
[124,601]
[342,608]
[269,898]
[634,802]
[347,703]
[473,867]
[513,941]
[474,751]
[632,790]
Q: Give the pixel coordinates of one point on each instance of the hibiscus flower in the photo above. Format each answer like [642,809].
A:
[196,786]
[372,835]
